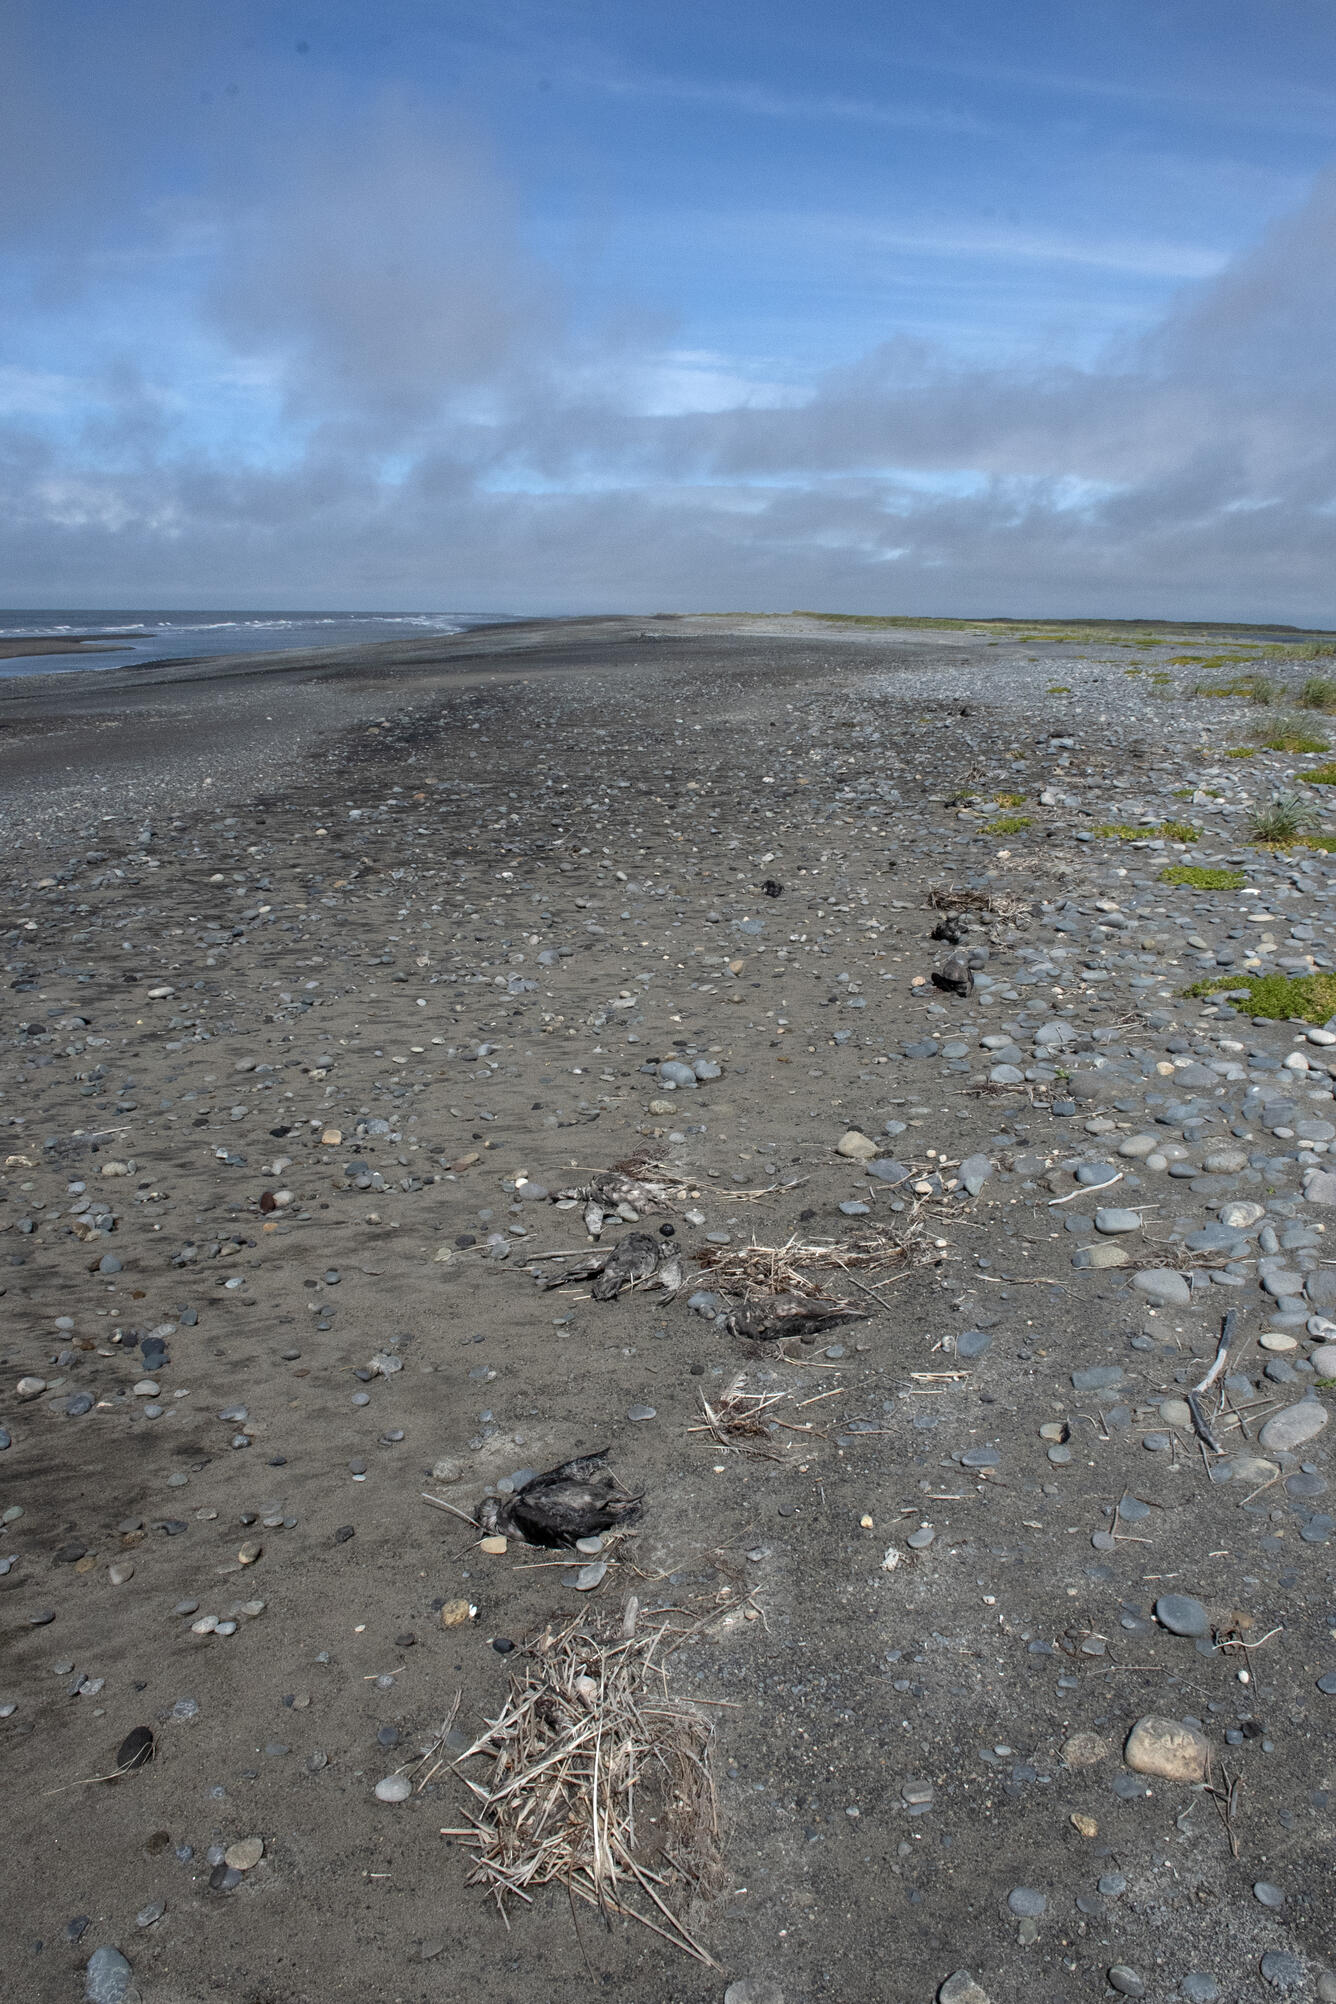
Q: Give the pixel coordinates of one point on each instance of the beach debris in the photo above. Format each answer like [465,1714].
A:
[741,1420]
[597,1781]
[632,1262]
[770,1318]
[576,1499]
[755,1270]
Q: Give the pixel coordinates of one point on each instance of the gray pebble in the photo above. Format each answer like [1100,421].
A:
[1023,1900]
[1181,1615]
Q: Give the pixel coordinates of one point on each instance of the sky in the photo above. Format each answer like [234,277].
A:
[580,305]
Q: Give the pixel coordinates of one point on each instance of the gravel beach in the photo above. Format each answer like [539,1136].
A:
[353,1001]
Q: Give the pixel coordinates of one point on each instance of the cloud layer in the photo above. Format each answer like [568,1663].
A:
[371,390]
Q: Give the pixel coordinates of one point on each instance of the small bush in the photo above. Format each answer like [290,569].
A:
[1197,878]
[1242,751]
[1007,824]
[1320,775]
[1009,799]
[1311,998]
[1179,831]
[1285,820]
[1319,693]
[1293,738]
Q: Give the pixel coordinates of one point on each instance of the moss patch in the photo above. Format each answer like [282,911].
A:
[1009,799]
[1320,775]
[1198,878]
[1007,824]
[1311,998]
[1167,831]
[1058,689]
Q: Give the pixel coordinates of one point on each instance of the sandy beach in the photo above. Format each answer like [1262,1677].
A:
[328,976]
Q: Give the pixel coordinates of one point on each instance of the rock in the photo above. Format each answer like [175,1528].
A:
[974,1172]
[1267,1894]
[1125,1981]
[456,1612]
[1238,1217]
[1181,1615]
[245,1854]
[1163,1287]
[1028,1904]
[1110,1219]
[1282,1970]
[1099,1258]
[754,1990]
[1175,1412]
[1320,1187]
[1083,1750]
[961,1988]
[1167,1748]
[135,1750]
[1286,1430]
[394,1788]
[107,1977]
[1199,1988]
[973,1342]
[494,1546]
[1084,1825]
[1323,1360]
[855,1146]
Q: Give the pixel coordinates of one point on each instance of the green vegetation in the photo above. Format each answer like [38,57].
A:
[1196,878]
[1009,799]
[1058,689]
[1242,751]
[1288,817]
[1291,737]
[1319,693]
[1311,998]
[1166,831]
[1007,824]
[1320,775]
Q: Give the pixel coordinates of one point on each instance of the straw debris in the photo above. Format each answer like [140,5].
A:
[598,1781]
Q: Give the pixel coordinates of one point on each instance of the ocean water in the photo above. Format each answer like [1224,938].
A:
[144,636]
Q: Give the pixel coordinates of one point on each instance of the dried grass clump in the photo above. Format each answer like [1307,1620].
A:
[598,1782]
[1001,905]
[754,1270]
[742,1420]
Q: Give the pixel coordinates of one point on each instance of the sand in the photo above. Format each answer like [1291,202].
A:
[396,933]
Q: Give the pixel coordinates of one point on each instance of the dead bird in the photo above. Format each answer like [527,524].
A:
[632,1260]
[954,977]
[775,1316]
[630,1263]
[576,1499]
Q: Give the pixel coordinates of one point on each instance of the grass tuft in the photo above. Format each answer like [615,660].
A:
[1007,824]
[1198,878]
[1288,818]
[1009,799]
[1311,997]
[1320,775]
[1319,693]
[1293,738]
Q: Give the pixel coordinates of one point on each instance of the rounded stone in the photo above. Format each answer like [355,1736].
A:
[1168,1748]
[1267,1894]
[107,1977]
[1294,1425]
[1199,1988]
[1126,1981]
[1181,1615]
[1028,1904]
[1110,1219]
[754,1990]
[394,1788]
[245,1854]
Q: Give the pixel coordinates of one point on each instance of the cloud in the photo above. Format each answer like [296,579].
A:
[457,432]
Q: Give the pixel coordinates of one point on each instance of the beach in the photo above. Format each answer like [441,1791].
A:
[337,980]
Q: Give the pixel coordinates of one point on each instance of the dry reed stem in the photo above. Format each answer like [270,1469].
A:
[598,1782]
[755,1270]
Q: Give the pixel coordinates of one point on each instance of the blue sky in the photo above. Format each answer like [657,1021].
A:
[926,307]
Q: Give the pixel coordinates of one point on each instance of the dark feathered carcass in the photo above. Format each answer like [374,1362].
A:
[577,1499]
[775,1316]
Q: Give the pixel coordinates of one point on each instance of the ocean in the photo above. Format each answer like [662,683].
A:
[144,636]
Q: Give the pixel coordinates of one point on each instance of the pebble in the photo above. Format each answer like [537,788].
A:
[107,1977]
[754,1990]
[1291,1427]
[245,1854]
[394,1788]
[1027,1903]
[1126,1981]
[1181,1615]
[1168,1748]
[959,1988]
[1267,1894]
[1110,1219]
